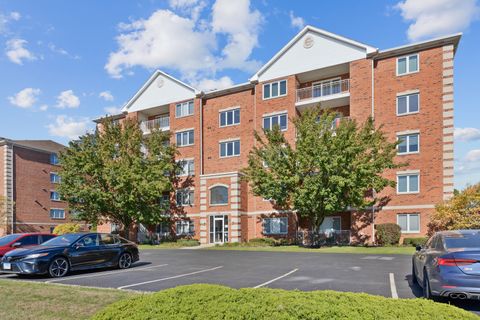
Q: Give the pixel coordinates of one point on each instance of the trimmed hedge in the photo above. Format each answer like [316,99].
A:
[419,241]
[388,234]
[209,302]
[66,228]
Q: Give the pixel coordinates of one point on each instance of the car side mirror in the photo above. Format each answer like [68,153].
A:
[16,245]
[418,248]
[78,246]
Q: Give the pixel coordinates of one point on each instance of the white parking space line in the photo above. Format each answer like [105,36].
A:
[7,275]
[277,278]
[169,278]
[105,273]
[393,287]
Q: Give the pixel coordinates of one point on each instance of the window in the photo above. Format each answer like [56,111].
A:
[408,143]
[162,229]
[407,64]
[54,177]
[407,104]
[54,196]
[185,227]
[219,195]
[107,239]
[184,197]
[229,148]
[54,159]
[275,89]
[229,117]
[408,183]
[187,167]
[409,222]
[276,120]
[28,241]
[57,213]
[185,138]
[275,225]
[89,241]
[46,237]
[184,109]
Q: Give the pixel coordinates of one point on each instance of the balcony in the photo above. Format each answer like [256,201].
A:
[330,94]
[162,123]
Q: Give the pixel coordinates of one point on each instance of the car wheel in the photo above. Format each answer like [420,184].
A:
[414,274]
[427,293]
[58,267]
[125,261]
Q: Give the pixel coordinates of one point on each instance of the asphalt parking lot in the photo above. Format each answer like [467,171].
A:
[388,275]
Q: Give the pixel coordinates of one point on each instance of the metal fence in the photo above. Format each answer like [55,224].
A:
[325,238]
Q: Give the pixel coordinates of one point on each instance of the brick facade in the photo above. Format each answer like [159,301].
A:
[372,92]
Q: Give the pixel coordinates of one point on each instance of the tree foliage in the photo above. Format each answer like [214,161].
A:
[460,212]
[118,174]
[66,228]
[329,169]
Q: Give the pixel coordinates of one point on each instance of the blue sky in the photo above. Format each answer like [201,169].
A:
[63,63]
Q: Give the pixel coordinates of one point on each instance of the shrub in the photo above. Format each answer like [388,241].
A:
[206,302]
[66,228]
[188,242]
[419,241]
[262,242]
[388,234]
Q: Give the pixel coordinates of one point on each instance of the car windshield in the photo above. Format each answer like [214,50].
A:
[471,240]
[7,239]
[61,241]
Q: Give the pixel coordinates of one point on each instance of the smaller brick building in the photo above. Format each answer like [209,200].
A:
[28,179]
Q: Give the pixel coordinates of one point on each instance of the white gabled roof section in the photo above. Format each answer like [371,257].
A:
[321,50]
[160,89]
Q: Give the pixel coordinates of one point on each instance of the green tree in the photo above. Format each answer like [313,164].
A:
[66,228]
[331,167]
[118,174]
[462,211]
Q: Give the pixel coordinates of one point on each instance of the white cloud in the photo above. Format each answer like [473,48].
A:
[68,127]
[113,110]
[14,15]
[106,95]
[168,40]
[16,51]
[6,18]
[25,98]
[296,22]
[431,18]
[62,51]
[473,155]
[163,40]
[467,134]
[213,84]
[242,26]
[67,99]
[43,107]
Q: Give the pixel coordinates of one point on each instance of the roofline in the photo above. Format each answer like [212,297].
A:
[110,116]
[307,28]
[5,141]
[149,81]
[233,89]
[453,39]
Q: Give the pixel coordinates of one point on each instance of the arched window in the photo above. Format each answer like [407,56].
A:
[219,195]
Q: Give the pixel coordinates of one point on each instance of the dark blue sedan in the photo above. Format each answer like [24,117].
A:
[70,252]
[449,265]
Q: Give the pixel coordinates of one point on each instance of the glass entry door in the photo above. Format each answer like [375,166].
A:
[218,229]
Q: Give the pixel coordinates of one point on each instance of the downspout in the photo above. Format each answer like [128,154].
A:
[201,133]
[373,118]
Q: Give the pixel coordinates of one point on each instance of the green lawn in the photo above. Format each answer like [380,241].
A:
[170,245]
[346,249]
[28,300]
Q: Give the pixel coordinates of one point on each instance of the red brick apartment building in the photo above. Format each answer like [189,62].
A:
[407,89]
[28,179]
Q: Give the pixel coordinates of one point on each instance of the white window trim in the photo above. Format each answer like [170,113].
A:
[55,200]
[408,72]
[50,213]
[316,83]
[183,221]
[407,133]
[279,233]
[408,104]
[227,141]
[279,95]
[54,173]
[185,102]
[218,185]
[408,222]
[339,217]
[276,114]
[227,110]
[187,159]
[409,173]
[182,131]
[185,205]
